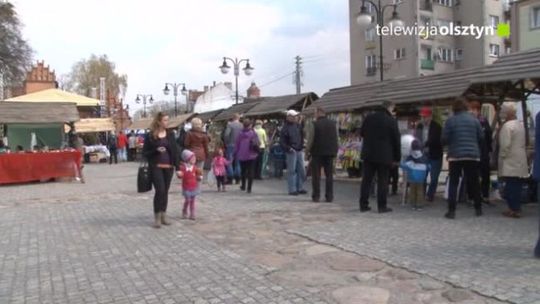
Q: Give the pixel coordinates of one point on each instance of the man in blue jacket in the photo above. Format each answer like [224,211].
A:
[463,135]
[292,141]
[536,174]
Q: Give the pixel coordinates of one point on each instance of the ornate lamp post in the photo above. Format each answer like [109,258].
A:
[145,98]
[248,70]
[364,18]
[175,87]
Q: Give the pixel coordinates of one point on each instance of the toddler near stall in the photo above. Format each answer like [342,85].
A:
[190,175]
[416,168]
[218,165]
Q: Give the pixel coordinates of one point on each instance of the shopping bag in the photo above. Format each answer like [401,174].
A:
[210,178]
[144,180]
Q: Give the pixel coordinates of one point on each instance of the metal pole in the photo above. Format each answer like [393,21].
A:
[380,21]
[236,82]
[175,102]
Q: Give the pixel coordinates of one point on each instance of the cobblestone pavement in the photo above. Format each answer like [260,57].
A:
[92,243]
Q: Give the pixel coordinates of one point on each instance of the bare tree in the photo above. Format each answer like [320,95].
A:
[15,53]
[86,73]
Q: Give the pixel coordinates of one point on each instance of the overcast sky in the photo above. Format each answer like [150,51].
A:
[160,41]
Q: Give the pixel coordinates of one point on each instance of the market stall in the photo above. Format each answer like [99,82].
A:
[90,130]
[37,126]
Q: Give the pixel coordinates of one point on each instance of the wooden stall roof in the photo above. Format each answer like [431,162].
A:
[240,108]
[56,95]
[91,125]
[278,104]
[178,120]
[43,112]
[496,79]
[141,124]
[206,116]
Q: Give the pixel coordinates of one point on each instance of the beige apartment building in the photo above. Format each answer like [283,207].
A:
[417,55]
[525,25]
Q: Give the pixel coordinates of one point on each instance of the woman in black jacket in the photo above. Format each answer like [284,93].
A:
[162,153]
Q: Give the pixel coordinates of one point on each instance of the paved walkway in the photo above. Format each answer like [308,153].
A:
[92,243]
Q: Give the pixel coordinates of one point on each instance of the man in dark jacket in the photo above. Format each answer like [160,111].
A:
[292,141]
[485,150]
[322,146]
[429,133]
[381,148]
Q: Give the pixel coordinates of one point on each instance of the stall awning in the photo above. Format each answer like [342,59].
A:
[497,79]
[45,112]
[240,108]
[279,104]
[206,116]
[56,95]
[91,125]
[178,120]
[141,124]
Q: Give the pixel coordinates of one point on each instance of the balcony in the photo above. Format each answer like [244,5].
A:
[371,71]
[427,64]
[371,45]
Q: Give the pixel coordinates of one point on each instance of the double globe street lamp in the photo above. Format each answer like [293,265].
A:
[145,98]
[248,69]
[175,87]
[365,19]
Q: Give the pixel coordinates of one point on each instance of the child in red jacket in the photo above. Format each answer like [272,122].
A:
[190,175]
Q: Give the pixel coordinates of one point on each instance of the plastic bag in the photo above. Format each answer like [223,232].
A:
[211,178]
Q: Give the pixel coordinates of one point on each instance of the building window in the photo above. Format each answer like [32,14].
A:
[371,65]
[448,3]
[399,53]
[535,17]
[370,34]
[445,55]
[459,55]
[493,21]
[443,23]
[425,20]
[494,50]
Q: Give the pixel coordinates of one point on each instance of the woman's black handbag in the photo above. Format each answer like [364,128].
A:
[144,179]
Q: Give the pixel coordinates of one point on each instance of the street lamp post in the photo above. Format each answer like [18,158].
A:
[144,98]
[248,70]
[175,87]
[364,18]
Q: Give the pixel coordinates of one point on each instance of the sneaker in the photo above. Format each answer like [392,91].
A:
[385,210]
[478,212]
[450,215]
[365,209]
[293,193]
[302,192]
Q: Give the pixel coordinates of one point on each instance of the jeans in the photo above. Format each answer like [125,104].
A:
[470,169]
[259,164]
[434,172]
[537,248]
[512,193]
[114,153]
[383,172]
[233,169]
[161,179]
[248,172]
[327,163]
[122,154]
[296,173]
